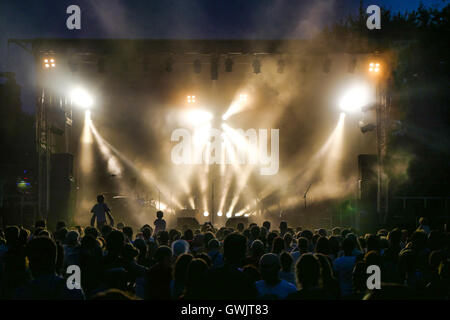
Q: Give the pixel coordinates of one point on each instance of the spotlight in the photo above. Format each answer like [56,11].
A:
[228,65]
[327,65]
[206,213]
[197,117]
[191,99]
[374,67]
[354,99]
[367,128]
[280,66]
[243,97]
[81,98]
[214,67]
[49,63]
[197,66]
[229,214]
[256,66]
[219,213]
[352,65]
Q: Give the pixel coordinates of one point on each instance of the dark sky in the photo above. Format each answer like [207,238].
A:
[168,19]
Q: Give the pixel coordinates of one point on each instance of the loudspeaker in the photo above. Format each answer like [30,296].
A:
[367,166]
[61,181]
[367,202]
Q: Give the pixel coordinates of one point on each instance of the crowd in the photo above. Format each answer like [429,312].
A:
[254,262]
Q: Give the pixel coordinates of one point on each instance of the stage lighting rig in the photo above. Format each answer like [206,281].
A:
[367,128]
[81,98]
[191,99]
[49,62]
[374,67]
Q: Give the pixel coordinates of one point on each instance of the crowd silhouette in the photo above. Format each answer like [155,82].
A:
[245,263]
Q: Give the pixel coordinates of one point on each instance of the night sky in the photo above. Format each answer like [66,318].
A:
[207,19]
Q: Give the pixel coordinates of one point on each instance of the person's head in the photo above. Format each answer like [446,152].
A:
[405,235]
[287,239]
[240,227]
[44,233]
[394,237]
[257,248]
[147,232]
[234,249]
[188,235]
[278,245]
[269,264]
[196,274]
[323,245]
[12,235]
[120,226]
[60,224]
[348,245]
[141,246]
[283,226]
[419,239]
[207,237]
[353,237]
[266,224]
[326,268]
[336,231]
[180,269]
[91,231]
[163,256]
[180,247]
[163,237]
[41,252]
[286,262]
[372,258]
[72,238]
[61,234]
[100,198]
[24,234]
[303,244]
[106,230]
[213,245]
[129,252]
[254,232]
[159,214]
[115,242]
[128,231]
[205,257]
[308,271]
[322,232]
[307,234]
[423,221]
[372,243]
[40,224]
